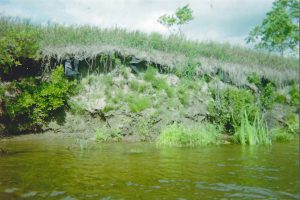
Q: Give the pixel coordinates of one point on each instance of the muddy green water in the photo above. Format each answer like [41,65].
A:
[59,169]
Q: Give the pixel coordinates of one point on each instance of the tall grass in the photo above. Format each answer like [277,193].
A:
[179,135]
[59,35]
[252,133]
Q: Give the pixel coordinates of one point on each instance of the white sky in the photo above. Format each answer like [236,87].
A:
[219,20]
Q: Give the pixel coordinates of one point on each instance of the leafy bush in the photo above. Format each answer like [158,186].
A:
[15,46]
[252,133]
[226,108]
[38,101]
[179,135]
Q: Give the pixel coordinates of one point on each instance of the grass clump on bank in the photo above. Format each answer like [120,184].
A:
[105,134]
[281,135]
[179,135]
[138,103]
[252,133]
[157,82]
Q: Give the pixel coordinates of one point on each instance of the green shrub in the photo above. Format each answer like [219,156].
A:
[226,108]
[38,101]
[179,135]
[252,133]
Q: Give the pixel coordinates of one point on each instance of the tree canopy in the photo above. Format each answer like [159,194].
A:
[182,16]
[279,31]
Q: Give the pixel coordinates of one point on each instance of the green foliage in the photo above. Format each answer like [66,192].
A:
[150,74]
[279,30]
[169,90]
[179,135]
[189,71]
[105,134]
[182,16]
[15,46]
[138,103]
[76,107]
[143,128]
[294,94]
[158,83]
[124,71]
[183,96]
[281,98]
[226,108]
[108,81]
[55,35]
[267,95]
[38,100]
[252,133]
[292,123]
[281,135]
[109,107]
[254,78]
[138,86]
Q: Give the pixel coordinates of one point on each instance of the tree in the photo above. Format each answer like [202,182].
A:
[182,16]
[279,31]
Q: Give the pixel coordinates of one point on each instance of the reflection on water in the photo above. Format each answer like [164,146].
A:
[40,169]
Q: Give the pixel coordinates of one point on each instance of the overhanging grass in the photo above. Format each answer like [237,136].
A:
[179,135]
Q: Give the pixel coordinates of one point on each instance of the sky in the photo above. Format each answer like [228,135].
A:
[217,20]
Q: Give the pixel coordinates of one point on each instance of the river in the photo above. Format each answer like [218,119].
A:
[67,169]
